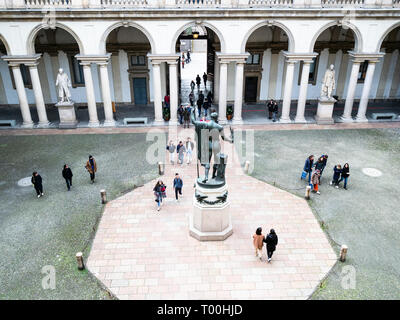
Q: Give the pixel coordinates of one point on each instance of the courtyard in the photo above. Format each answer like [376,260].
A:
[50,230]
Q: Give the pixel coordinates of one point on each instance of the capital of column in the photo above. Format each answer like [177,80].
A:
[361,57]
[101,59]
[160,58]
[28,60]
[225,58]
[292,58]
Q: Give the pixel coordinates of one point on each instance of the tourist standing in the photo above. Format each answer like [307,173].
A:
[171,150]
[178,184]
[258,242]
[205,80]
[180,149]
[198,82]
[37,184]
[274,111]
[180,114]
[91,167]
[192,85]
[324,162]
[337,170]
[345,175]
[160,193]
[315,180]
[270,103]
[308,168]
[189,150]
[271,240]
[67,175]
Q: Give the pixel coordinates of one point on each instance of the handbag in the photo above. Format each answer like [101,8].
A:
[303,175]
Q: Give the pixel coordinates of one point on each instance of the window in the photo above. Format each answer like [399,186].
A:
[253,59]
[26,76]
[362,72]
[78,79]
[138,60]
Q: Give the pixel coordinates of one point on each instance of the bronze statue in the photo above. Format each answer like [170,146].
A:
[208,144]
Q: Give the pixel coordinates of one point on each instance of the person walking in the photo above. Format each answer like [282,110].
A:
[178,184]
[308,168]
[186,117]
[67,175]
[206,105]
[160,193]
[183,57]
[191,98]
[274,110]
[180,149]
[198,82]
[205,80]
[180,114]
[337,170]
[188,56]
[189,150]
[37,184]
[183,63]
[91,167]
[272,241]
[199,105]
[315,180]
[258,242]
[171,150]
[192,85]
[210,97]
[345,175]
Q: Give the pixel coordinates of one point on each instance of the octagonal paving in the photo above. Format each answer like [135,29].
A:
[142,253]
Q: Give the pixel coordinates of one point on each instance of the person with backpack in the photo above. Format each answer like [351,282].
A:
[67,175]
[159,193]
[315,180]
[345,175]
[258,242]
[37,184]
[272,241]
[171,150]
[91,167]
[307,170]
[337,170]
[178,184]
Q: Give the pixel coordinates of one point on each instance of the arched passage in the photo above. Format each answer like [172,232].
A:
[4,50]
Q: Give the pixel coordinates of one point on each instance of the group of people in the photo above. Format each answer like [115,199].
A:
[160,190]
[272,107]
[271,241]
[66,173]
[314,176]
[181,149]
[184,115]
[185,59]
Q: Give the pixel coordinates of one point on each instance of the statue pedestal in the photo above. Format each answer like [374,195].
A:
[210,219]
[66,111]
[325,111]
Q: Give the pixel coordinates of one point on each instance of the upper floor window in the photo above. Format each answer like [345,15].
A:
[78,79]
[253,59]
[362,72]
[138,60]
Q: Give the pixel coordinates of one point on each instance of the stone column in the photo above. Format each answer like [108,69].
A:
[173,91]
[158,117]
[223,82]
[362,107]
[237,109]
[301,102]
[348,106]
[91,100]
[106,94]
[23,101]
[287,95]
[37,90]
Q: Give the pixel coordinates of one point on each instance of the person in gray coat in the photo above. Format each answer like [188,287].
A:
[171,150]
[180,149]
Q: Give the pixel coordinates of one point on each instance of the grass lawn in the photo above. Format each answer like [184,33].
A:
[50,230]
[365,217]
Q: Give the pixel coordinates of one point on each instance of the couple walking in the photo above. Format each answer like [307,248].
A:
[160,190]
[271,241]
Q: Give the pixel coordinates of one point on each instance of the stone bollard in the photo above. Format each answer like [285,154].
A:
[103,196]
[79,259]
[160,168]
[343,253]
[246,166]
[308,190]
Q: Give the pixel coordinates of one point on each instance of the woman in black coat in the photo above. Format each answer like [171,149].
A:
[67,175]
[37,184]
[271,240]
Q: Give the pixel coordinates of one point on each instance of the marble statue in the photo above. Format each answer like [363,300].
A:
[63,84]
[208,144]
[328,83]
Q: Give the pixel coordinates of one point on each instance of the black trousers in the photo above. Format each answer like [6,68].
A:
[69,182]
[176,192]
[39,188]
[92,175]
[270,252]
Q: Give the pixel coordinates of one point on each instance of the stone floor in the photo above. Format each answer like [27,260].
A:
[142,253]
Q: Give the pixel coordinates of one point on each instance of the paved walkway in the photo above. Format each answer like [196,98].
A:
[140,253]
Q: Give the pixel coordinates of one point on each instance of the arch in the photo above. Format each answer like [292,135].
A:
[386,33]
[205,24]
[34,32]
[357,34]
[3,40]
[269,23]
[105,35]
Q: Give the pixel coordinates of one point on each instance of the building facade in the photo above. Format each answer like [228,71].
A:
[127,52]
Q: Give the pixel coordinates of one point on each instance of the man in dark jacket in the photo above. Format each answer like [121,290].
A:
[205,79]
[274,110]
[210,96]
[337,170]
[198,81]
[206,105]
[308,167]
[270,104]
[178,184]
[37,184]
[186,117]
[180,114]
[324,162]
[67,175]
[271,240]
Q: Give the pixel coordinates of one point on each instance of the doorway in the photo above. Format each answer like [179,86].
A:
[140,90]
[250,89]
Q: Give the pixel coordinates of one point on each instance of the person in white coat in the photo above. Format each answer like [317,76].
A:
[189,150]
